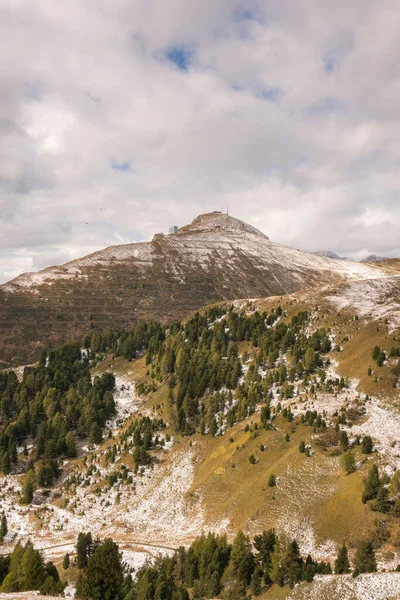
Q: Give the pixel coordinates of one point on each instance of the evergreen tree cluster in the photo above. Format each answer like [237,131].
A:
[129,344]
[378,355]
[375,491]
[142,436]
[212,567]
[25,570]
[200,360]
[55,403]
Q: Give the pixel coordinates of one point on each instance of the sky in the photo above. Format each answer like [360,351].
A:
[121,118]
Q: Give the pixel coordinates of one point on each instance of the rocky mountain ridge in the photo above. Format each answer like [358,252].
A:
[216,257]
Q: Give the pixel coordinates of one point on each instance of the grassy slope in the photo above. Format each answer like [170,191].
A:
[312,489]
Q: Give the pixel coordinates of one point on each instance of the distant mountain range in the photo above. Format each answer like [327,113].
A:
[334,256]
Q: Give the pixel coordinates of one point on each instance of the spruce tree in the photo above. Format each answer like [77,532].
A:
[6,463]
[365,561]
[372,485]
[32,572]
[104,574]
[66,562]
[28,488]
[348,462]
[366,445]
[3,527]
[84,546]
[380,503]
[276,574]
[70,445]
[293,564]
[342,564]
[242,558]
[256,581]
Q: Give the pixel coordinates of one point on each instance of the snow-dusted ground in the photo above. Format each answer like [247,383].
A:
[127,402]
[369,586]
[153,510]
[377,298]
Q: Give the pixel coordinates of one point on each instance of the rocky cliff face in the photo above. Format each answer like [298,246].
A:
[216,257]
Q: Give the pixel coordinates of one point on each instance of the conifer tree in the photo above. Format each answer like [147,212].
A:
[104,574]
[84,546]
[66,562]
[293,564]
[380,503]
[242,558]
[372,485]
[32,569]
[366,445]
[276,571]
[342,564]
[365,561]
[348,462]
[70,445]
[6,463]
[28,488]
[3,527]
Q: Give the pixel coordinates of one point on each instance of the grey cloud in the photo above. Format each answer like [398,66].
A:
[86,87]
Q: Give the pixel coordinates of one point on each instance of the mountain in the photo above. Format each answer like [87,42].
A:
[330,254]
[373,258]
[238,419]
[216,257]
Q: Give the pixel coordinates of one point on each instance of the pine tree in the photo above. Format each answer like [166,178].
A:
[380,503]
[365,561]
[372,485]
[367,445]
[310,359]
[32,572]
[293,564]
[242,558]
[104,574]
[28,488]
[70,445]
[348,462]
[95,435]
[342,564]
[3,527]
[6,463]
[272,481]
[276,574]
[84,546]
[256,581]
[66,562]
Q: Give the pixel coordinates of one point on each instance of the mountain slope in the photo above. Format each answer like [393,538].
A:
[202,482]
[215,258]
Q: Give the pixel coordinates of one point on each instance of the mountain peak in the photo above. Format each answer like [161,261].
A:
[215,221]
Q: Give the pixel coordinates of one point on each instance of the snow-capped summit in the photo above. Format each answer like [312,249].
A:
[217,221]
[216,257]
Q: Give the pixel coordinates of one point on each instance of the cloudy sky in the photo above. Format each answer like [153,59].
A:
[119,118]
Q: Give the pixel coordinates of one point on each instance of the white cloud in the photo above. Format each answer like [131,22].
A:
[287,112]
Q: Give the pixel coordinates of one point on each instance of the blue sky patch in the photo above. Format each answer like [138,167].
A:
[121,167]
[330,64]
[273,94]
[180,55]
